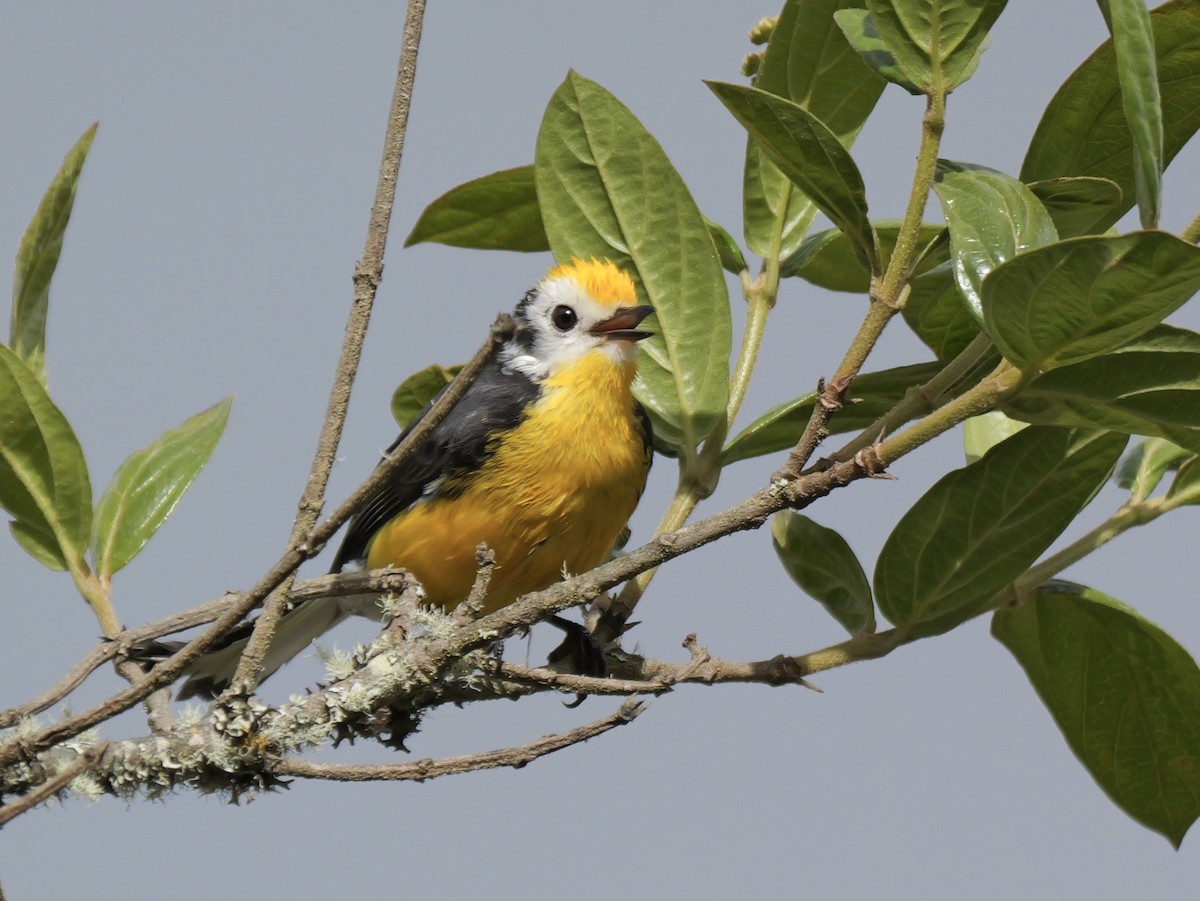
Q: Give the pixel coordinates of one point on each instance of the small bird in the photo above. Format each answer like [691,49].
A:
[543,459]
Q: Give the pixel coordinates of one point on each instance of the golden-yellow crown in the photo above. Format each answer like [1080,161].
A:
[601,279]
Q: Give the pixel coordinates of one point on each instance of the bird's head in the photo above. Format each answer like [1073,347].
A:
[578,308]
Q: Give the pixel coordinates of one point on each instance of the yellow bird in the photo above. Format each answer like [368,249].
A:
[543,459]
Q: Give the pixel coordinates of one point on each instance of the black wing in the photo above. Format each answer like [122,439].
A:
[494,403]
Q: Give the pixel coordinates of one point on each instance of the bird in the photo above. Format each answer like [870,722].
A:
[543,459]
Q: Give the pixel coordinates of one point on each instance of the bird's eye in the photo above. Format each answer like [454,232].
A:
[564,318]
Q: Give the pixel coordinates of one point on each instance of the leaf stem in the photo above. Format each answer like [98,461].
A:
[888,294]
[98,597]
[889,291]
[920,399]
[1003,382]
[1130,514]
[759,301]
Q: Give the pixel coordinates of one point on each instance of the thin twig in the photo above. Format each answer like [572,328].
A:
[51,786]
[420,770]
[367,276]
[330,586]
[570,683]
[830,399]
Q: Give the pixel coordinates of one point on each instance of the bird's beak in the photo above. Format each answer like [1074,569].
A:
[623,325]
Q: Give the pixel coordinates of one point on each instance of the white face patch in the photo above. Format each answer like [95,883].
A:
[560,317]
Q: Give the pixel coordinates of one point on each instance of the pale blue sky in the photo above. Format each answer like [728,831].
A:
[215,234]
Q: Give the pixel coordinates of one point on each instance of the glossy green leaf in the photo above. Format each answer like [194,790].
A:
[826,259]
[147,486]
[982,433]
[496,212]
[807,61]
[809,154]
[37,259]
[1148,386]
[1142,468]
[819,560]
[415,392]
[1084,296]
[43,477]
[607,190]
[1084,130]
[938,314]
[936,43]
[991,218]
[873,394]
[982,526]
[861,33]
[1133,43]
[1124,693]
[1079,205]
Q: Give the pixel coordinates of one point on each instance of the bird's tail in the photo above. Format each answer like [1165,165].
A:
[212,672]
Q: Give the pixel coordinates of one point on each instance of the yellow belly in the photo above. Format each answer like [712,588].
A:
[552,498]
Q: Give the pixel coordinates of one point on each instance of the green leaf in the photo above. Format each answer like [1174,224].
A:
[873,394]
[1133,42]
[727,249]
[40,545]
[1078,206]
[1148,386]
[827,260]
[982,526]
[809,62]
[861,33]
[1124,693]
[418,390]
[496,212]
[607,190]
[147,486]
[44,482]
[771,204]
[936,43]
[991,218]
[1084,130]
[938,314]
[982,433]
[1084,296]
[1140,470]
[37,259]
[773,209]
[1186,483]
[809,154]
[500,212]
[820,561]
[806,61]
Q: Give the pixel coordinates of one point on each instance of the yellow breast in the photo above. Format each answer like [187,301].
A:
[553,496]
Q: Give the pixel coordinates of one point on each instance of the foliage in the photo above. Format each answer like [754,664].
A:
[1035,312]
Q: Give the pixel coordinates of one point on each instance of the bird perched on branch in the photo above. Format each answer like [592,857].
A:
[543,459]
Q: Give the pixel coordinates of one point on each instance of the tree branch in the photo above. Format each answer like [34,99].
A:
[420,770]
